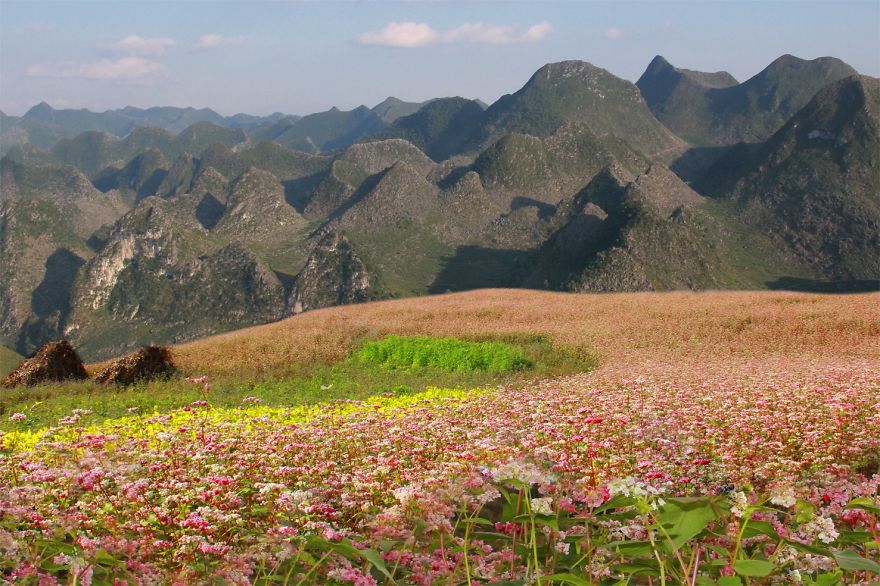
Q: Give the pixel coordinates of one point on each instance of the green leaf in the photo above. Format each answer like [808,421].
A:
[813,549]
[851,561]
[855,537]
[645,568]
[804,510]
[753,568]
[346,549]
[478,521]
[684,518]
[729,581]
[832,579]
[631,548]
[755,528]
[566,578]
[617,501]
[864,503]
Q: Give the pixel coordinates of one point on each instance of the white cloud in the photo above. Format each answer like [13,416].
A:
[126,68]
[537,32]
[613,33]
[137,45]
[213,40]
[402,34]
[419,34]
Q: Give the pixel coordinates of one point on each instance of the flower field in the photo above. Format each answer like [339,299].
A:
[664,466]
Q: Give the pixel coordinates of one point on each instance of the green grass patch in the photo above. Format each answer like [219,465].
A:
[446,354]
[9,359]
[306,384]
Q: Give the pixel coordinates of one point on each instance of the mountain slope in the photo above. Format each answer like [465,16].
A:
[43,126]
[441,128]
[93,152]
[391,108]
[814,185]
[333,129]
[706,110]
[576,91]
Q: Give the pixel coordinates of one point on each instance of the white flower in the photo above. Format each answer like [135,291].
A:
[823,528]
[524,472]
[542,506]
[795,576]
[404,494]
[784,497]
[562,547]
[738,503]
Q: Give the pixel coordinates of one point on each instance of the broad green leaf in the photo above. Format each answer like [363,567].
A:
[684,519]
[631,548]
[346,549]
[615,502]
[855,537]
[645,568]
[813,549]
[851,561]
[864,503]
[755,528]
[566,578]
[729,581]
[804,511]
[753,568]
[832,579]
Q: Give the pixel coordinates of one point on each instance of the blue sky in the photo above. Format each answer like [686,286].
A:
[306,56]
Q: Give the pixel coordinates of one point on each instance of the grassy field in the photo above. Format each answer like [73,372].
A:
[306,359]
[718,439]
[9,359]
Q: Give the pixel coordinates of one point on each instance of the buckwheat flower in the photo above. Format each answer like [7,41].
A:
[795,576]
[17,417]
[562,547]
[738,503]
[62,559]
[404,494]
[524,472]
[823,528]
[784,497]
[543,506]
[252,400]
[490,494]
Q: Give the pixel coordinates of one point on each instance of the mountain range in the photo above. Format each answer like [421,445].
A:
[166,224]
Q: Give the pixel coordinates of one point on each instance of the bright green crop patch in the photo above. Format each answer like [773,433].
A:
[449,354]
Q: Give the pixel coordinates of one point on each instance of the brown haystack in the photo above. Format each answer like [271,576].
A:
[148,363]
[55,361]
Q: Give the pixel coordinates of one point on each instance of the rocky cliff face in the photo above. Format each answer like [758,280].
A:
[333,275]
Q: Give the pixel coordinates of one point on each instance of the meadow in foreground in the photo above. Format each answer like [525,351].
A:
[678,467]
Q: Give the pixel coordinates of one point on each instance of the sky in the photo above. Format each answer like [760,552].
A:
[306,56]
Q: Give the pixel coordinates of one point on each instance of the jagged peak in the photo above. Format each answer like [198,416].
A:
[657,64]
[40,111]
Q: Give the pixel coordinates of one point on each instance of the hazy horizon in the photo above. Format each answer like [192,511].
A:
[304,57]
